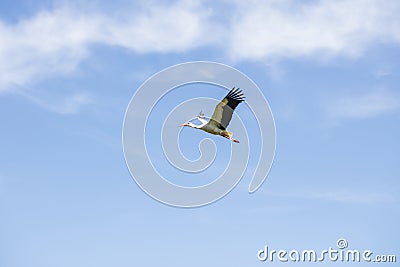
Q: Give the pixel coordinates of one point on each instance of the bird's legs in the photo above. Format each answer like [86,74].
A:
[228,135]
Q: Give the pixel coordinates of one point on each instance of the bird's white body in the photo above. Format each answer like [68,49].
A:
[209,128]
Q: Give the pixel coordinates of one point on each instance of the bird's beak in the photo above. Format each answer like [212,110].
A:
[184,124]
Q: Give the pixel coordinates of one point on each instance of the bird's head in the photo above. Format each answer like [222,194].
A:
[188,124]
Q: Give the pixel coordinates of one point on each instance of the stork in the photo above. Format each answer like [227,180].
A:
[221,117]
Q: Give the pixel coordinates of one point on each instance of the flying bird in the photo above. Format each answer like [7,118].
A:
[221,117]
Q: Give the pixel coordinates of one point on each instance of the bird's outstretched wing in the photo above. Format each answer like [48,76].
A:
[223,111]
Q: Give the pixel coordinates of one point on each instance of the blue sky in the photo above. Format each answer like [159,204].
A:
[329,70]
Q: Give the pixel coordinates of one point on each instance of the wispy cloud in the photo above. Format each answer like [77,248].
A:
[276,29]
[54,42]
[2,184]
[62,104]
[356,197]
[342,196]
[364,105]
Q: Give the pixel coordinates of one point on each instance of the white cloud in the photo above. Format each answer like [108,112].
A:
[49,43]
[369,104]
[173,28]
[276,29]
[55,42]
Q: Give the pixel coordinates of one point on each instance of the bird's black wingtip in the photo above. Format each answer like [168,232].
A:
[236,94]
